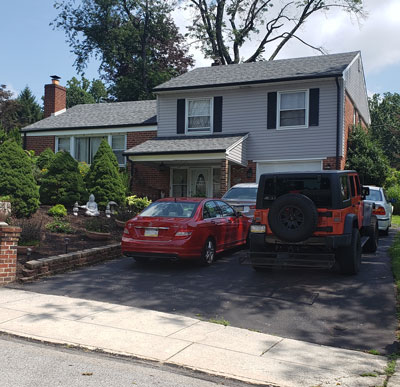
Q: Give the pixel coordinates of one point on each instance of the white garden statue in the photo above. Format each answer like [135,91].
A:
[91,207]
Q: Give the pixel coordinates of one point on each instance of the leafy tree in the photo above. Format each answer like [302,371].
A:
[16,179]
[12,134]
[29,110]
[223,27]
[45,159]
[385,124]
[82,92]
[62,183]
[104,179]
[137,42]
[8,110]
[367,158]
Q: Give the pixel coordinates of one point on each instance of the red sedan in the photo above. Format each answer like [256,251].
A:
[184,228]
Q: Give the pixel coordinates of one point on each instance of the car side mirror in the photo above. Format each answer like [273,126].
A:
[238,214]
[393,201]
[364,192]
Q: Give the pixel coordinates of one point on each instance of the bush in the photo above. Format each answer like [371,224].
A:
[60,226]
[16,179]
[83,168]
[393,193]
[367,158]
[45,159]
[62,183]
[98,225]
[57,211]
[136,204]
[124,213]
[104,179]
[393,178]
[31,231]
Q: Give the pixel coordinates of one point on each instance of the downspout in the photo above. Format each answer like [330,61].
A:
[25,140]
[337,124]
[132,171]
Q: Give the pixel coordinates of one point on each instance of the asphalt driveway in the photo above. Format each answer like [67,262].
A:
[319,306]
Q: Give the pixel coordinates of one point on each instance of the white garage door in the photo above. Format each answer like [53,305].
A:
[289,166]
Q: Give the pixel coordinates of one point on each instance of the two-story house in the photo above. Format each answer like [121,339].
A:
[222,125]
[217,126]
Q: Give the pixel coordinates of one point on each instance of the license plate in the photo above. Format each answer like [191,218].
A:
[151,232]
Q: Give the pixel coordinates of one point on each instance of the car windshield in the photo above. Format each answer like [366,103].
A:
[374,195]
[170,209]
[241,193]
[317,188]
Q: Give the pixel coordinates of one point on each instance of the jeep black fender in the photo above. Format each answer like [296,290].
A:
[368,207]
[350,222]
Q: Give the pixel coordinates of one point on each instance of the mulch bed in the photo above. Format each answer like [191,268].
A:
[55,243]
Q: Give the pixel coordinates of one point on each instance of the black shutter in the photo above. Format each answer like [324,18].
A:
[313,116]
[180,116]
[217,114]
[271,110]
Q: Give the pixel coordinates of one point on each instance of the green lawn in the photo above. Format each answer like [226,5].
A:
[396,220]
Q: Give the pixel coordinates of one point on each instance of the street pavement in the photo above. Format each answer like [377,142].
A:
[31,364]
[317,306]
[171,339]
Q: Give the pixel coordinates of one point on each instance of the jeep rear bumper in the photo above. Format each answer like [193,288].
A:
[261,241]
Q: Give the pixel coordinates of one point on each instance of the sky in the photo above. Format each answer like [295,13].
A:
[31,50]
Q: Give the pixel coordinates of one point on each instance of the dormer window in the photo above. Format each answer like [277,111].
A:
[199,116]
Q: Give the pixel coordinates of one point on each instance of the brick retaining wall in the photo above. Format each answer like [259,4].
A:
[9,236]
[45,267]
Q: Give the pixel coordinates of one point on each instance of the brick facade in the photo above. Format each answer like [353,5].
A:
[153,182]
[40,143]
[55,98]
[244,174]
[351,117]
[8,253]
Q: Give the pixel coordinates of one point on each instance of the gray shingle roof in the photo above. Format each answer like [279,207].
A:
[187,144]
[113,114]
[261,72]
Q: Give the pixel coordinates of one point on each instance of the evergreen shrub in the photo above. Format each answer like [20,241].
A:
[63,183]
[57,211]
[16,179]
[103,179]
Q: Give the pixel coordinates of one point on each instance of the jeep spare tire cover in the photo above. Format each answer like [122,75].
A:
[293,217]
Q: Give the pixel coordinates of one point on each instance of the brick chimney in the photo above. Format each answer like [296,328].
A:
[55,97]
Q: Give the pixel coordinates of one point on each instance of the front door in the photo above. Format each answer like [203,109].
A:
[200,186]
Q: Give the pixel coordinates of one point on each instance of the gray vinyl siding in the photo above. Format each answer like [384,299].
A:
[238,153]
[245,111]
[356,88]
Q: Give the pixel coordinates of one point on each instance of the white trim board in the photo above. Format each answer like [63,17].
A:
[91,132]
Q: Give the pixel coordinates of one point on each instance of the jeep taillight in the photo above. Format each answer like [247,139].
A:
[379,210]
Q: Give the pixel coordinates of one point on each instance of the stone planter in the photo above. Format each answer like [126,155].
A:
[5,212]
[120,223]
[98,236]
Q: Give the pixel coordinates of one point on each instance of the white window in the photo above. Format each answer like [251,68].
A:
[199,116]
[85,148]
[118,147]
[293,109]
[179,182]
[64,143]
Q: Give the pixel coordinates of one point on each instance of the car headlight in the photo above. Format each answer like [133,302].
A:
[257,228]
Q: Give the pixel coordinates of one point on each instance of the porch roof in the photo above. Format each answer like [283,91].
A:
[215,146]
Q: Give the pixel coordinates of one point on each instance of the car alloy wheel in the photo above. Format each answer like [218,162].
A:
[208,252]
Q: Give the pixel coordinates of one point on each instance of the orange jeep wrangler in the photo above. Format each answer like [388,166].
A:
[312,219]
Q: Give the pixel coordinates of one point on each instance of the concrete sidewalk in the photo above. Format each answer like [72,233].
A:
[172,339]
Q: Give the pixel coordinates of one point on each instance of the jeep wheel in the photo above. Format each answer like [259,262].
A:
[372,231]
[349,257]
[293,217]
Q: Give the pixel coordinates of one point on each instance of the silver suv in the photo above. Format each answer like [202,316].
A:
[242,197]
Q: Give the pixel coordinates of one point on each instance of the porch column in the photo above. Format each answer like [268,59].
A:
[224,176]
